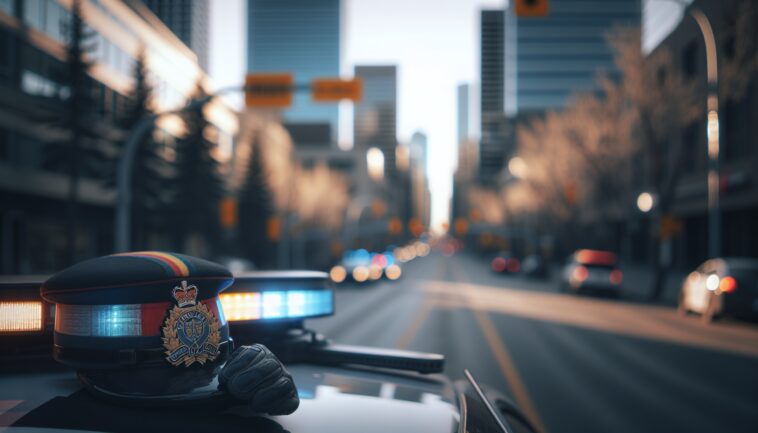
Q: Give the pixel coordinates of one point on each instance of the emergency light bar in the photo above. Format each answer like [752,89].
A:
[20,316]
[272,296]
[22,310]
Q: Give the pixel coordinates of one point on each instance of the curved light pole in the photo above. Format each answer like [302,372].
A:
[712,103]
[122,235]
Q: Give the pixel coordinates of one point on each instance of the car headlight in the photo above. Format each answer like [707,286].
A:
[360,274]
[338,274]
[393,272]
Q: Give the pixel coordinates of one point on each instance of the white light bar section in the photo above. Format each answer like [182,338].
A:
[99,320]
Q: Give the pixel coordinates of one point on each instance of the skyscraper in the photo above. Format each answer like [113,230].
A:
[463,112]
[561,54]
[492,147]
[188,19]
[375,118]
[301,37]
[420,194]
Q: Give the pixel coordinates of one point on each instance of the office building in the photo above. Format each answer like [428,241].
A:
[301,37]
[419,180]
[32,56]
[189,20]
[375,116]
[561,54]
[464,113]
[493,127]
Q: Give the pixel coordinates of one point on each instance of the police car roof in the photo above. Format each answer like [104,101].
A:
[335,400]
[280,280]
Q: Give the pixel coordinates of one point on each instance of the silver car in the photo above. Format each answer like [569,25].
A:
[721,286]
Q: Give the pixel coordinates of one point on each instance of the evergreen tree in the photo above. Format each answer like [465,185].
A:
[82,153]
[197,185]
[151,170]
[255,210]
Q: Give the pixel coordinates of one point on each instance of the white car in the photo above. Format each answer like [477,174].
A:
[721,286]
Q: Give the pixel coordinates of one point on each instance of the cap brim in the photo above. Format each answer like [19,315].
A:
[158,385]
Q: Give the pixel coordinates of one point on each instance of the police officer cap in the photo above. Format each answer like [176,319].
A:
[144,324]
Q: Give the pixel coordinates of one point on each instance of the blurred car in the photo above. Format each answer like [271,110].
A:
[341,388]
[592,271]
[722,286]
[535,266]
[390,267]
[505,263]
[355,266]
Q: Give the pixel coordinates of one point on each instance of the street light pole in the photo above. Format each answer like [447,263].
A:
[122,235]
[712,104]
[714,214]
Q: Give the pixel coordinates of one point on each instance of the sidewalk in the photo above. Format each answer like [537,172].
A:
[638,283]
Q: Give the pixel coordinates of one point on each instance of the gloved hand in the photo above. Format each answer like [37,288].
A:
[255,375]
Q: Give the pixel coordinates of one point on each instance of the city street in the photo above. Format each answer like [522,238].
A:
[573,364]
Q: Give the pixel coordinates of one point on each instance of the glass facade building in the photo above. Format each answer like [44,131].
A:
[562,53]
[301,37]
[492,146]
[375,117]
[188,19]
[32,92]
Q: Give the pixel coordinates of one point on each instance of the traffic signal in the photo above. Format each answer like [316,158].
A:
[415,226]
[228,212]
[670,226]
[269,90]
[461,226]
[395,226]
[274,228]
[531,8]
[335,89]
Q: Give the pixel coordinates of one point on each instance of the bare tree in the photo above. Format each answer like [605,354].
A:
[664,102]
[739,48]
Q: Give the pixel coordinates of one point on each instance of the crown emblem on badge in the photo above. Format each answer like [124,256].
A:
[185,295]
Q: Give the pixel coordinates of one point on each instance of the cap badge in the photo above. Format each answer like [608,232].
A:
[191,331]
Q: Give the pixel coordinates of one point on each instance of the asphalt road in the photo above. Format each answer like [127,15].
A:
[574,364]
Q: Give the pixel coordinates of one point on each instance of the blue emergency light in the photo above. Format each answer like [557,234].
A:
[278,296]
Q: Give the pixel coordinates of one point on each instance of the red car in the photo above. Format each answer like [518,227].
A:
[592,271]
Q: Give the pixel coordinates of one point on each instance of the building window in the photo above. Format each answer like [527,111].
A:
[7,49]
[694,153]
[5,144]
[689,59]
[736,129]
[34,13]
[7,6]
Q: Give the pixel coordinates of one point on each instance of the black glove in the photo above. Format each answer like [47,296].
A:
[255,375]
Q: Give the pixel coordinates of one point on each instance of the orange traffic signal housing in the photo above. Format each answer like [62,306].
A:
[269,90]
[335,89]
[228,212]
[531,8]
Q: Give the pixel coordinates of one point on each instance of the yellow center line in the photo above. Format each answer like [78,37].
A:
[508,367]
[503,358]
[407,337]
[426,307]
